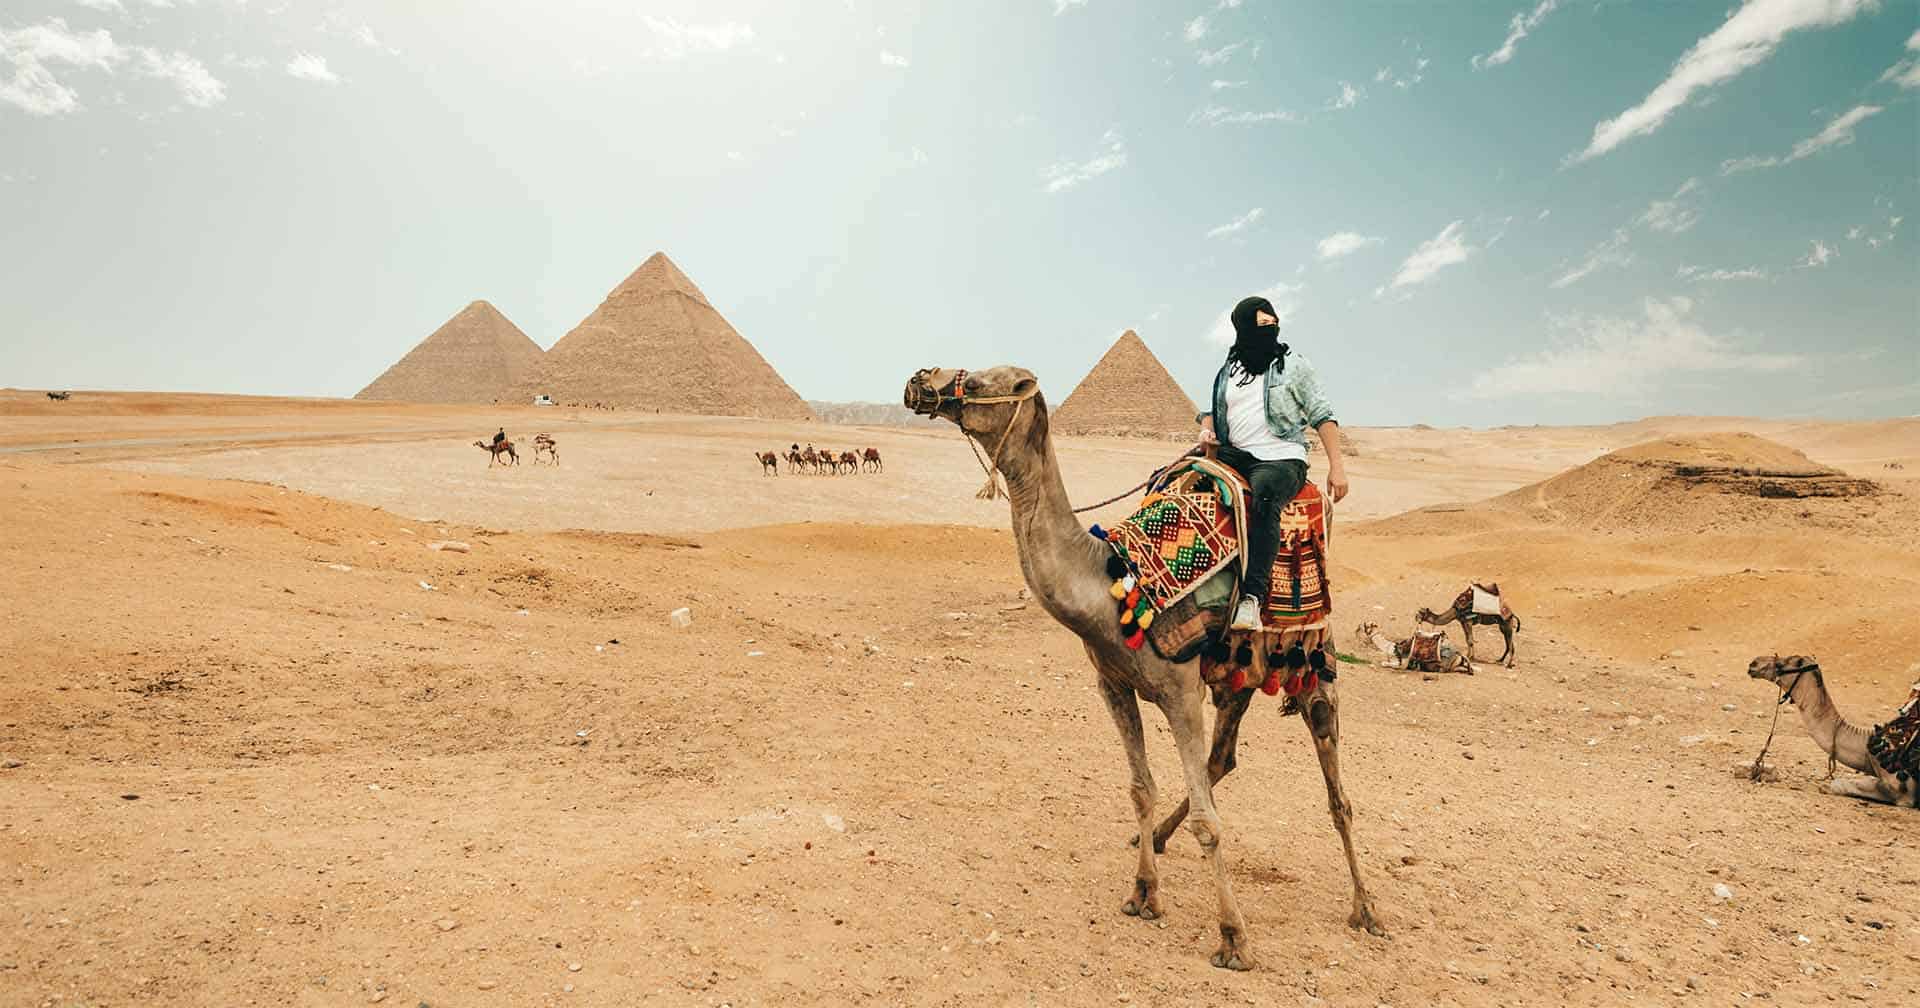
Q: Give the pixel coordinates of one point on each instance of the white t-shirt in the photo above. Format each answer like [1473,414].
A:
[1247,427]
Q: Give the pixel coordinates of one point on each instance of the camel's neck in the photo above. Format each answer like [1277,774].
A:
[1830,729]
[1063,565]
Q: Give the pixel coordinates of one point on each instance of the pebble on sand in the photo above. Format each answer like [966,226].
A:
[450,546]
[681,618]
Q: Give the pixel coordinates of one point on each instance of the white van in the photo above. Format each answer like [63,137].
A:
[543,400]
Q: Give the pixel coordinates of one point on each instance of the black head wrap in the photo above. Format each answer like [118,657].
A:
[1255,347]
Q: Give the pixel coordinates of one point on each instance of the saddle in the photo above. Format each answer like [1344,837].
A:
[1896,744]
[1176,562]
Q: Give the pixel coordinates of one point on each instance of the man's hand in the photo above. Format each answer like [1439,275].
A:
[1337,483]
[1207,437]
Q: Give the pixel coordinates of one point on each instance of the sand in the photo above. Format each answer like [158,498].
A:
[870,772]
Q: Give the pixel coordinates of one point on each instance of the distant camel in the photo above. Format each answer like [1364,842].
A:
[769,463]
[544,444]
[849,461]
[1463,613]
[497,449]
[872,459]
[61,396]
[794,461]
[810,459]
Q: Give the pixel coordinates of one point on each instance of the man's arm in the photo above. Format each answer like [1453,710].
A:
[1336,463]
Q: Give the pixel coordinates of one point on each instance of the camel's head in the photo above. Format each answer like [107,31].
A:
[1426,615]
[1784,672]
[982,403]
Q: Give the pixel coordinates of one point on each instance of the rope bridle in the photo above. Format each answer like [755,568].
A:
[1786,697]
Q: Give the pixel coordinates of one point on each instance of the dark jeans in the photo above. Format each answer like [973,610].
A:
[1275,484]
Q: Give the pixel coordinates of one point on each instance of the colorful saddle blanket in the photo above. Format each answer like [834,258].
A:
[1896,744]
[1180,553]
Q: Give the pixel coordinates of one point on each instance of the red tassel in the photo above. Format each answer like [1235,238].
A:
[1138,639]
[1237,681]
[1272,686]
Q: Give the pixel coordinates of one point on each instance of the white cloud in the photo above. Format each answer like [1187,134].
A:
[892,59]
[1064,175]
[1342,243]
[1609,253]
[1517,29]
[1226,5]
[1544,214]
[1215,115]
[1228,85]
[1284,297]
[1448,248]
[1837,133]
[101,5]
[1906,73]
[1743,41]
[1671,215]
[33,52]
[1817,256]
[1747,273]
[1604,356]
[1062,6]
[1855,232]
[1385,75]
[197,86]
[1348,97]
[1238,224]
[307,66]
[674,40]
[1197,29]
[1218,56]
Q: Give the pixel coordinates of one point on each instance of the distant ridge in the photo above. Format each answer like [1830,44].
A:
[656,343]
[474,357]
[1129,394]
[866,414]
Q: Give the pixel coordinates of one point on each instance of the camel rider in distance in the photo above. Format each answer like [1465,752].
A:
[499,436]
[1264,400]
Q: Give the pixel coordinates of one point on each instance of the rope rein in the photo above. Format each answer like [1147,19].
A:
[1786,697]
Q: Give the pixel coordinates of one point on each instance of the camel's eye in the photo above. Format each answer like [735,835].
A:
[973,385]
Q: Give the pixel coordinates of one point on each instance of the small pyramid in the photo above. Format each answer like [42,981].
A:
[656,343]
[474,357]
[1129,393]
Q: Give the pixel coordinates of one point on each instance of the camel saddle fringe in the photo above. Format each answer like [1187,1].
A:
[1176,570]
[1896,744]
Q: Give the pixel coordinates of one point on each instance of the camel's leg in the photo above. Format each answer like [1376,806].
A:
[1864,788]
[1506,630]
[1323,720]
[1144,901]
[1466,631]
[1220,761]
[1186,716]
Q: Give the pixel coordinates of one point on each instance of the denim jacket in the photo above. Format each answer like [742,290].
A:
[1295,401]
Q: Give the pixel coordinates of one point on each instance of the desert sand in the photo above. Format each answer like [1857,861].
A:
[263,745]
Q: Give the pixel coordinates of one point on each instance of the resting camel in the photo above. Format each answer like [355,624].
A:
[1066,569]
[1462,613]
[497,449]
[871,459]
[544,444]
[1888,754]
[769,463]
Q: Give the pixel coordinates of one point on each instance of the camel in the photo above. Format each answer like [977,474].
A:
[1892,769]
[1374,638]
[544,444]
[1066,570]
[1462,613]
[850,462]
[871,459]
[60,396]
[793,459]
[497,449]
[769,463]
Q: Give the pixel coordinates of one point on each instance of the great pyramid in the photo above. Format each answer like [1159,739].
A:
[474,357]
[656,343]
[1129,393]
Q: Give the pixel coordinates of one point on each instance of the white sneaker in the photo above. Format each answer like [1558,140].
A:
[1246,616]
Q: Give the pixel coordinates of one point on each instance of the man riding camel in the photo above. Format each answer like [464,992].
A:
[499,436]
[1264,399]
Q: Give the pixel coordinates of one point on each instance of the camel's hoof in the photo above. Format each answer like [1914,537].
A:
[1233,953]
[1144,903]
[1362,919]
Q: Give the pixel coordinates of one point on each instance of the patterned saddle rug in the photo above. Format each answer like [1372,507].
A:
[1178,570]
[1896,744]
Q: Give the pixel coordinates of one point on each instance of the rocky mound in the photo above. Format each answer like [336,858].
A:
[1695,484]
[656,343]
[866,414]
[1127,394]
[474,357]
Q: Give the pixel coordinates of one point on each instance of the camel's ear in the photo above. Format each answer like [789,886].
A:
[1024,386]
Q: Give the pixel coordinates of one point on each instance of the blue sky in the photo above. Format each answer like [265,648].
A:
[1483,213]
